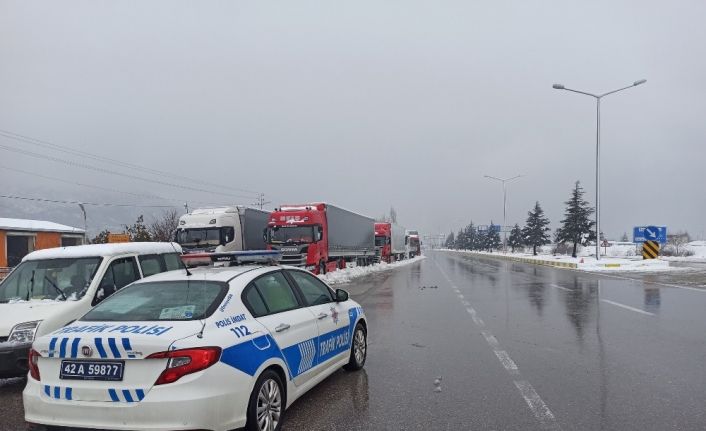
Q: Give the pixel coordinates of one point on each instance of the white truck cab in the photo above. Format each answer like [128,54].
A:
[222,229]
[53,287]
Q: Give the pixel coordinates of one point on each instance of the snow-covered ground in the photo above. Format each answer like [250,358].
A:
[606,264]
[696,247]
[347,275]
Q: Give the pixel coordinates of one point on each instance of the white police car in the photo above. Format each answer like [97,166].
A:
[219,349]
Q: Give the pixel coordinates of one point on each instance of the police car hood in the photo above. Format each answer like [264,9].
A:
[114,340]
[12,313]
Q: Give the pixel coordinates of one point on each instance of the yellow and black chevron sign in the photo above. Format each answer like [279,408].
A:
[650,250]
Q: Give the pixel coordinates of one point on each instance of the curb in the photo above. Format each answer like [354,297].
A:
[533,261]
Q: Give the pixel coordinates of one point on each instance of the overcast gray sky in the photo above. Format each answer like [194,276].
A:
[365,104]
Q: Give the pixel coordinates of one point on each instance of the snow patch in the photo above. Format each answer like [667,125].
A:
[347,275]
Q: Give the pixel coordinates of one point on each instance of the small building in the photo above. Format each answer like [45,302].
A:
[19,237]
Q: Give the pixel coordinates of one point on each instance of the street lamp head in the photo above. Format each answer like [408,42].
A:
[642,81]
[558,86]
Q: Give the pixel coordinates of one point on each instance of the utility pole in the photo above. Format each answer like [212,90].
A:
[85,224]
[504,181]
[186,207]
[261,202]
[598,98]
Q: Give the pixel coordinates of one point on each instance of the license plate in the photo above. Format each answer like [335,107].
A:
[92,370]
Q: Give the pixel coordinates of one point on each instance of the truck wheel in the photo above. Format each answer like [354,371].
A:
[322,268]
[359,349]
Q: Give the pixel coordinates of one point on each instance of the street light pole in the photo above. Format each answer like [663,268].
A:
[504,181]
[598,98]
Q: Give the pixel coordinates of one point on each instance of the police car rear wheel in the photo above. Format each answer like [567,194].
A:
[359,349]
[266,408]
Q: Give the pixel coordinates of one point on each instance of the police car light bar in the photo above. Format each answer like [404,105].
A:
[238,257]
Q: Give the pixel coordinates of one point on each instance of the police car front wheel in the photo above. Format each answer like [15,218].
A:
[266,407]
[359,349]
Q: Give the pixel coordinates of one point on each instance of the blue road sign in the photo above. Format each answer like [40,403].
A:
[649,233]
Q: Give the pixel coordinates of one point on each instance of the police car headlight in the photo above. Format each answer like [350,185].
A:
[23,332]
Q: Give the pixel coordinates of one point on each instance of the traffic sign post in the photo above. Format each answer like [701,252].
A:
[641,234]
[650,250]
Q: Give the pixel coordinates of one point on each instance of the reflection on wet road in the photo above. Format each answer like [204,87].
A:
[506,346]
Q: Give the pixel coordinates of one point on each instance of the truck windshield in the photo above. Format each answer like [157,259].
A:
[290,234]
[380,241]
[54,279]
[204,237]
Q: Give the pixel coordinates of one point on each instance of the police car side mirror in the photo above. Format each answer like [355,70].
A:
[341,295]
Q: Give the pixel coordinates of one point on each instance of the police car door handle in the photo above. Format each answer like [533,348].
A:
[282,327]
[323,316]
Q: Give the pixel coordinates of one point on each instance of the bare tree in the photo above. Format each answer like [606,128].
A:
[163,227]
[678,240]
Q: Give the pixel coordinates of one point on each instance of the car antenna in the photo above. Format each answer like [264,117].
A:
[203,321]
[188,273]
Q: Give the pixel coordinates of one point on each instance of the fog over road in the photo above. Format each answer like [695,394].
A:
[516,347]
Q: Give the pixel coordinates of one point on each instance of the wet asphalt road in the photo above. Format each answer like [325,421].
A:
[516,347]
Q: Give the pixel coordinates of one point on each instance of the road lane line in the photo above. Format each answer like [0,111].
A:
[490,338]
[540,410]
[560,287]
[507,362]
[537,406]
[627,307]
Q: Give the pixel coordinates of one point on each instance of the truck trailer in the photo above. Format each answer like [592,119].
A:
[207,230]
[321,237]
[389,242]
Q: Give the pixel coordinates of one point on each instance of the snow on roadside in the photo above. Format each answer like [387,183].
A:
[347,275]
[606,264]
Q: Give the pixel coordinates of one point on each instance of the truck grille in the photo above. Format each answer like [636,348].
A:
[296,259]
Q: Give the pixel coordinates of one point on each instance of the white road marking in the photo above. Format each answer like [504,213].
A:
[540,410]
[560,287]
[507,362]
[627,307]
[490,338]
[537,406]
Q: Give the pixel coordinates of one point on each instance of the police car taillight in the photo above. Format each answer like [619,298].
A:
[185,361]
[33,363]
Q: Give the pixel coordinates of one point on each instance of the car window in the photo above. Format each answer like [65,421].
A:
[254,301]
[314,290]
[152,264]
[172,261]
[276,292]
[119,274]
[161,300]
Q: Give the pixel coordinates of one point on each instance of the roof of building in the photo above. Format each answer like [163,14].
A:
[17,224]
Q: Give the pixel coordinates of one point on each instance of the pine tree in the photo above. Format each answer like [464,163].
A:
[471,236]
[535,231]
[515,239]
[577,227]
[459,241]
[481,240]
[493,238]
[625,237]
[450,241]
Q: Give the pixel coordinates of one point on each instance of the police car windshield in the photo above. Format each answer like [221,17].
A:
[53,279]
[160,300]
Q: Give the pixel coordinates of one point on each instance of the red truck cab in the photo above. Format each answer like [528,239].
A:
[297,231]
[383,242]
